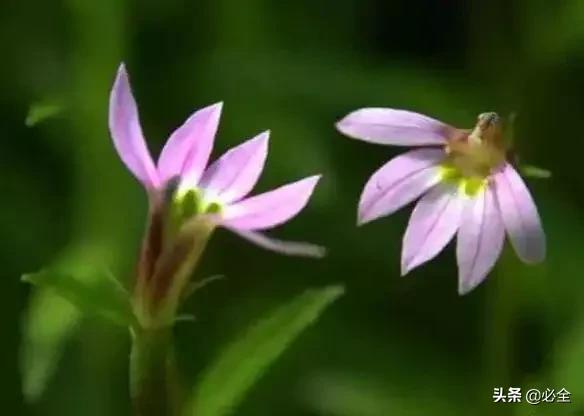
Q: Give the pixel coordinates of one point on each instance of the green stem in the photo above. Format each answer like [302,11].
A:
[154,381]
[499,319]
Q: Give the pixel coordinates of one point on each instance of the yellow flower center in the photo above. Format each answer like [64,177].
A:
[469,185]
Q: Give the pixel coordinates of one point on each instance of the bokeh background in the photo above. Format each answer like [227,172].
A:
[391,345]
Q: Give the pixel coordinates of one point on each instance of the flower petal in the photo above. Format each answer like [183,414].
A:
[187,150]
[271,208]
[398,182]
[396,127]
[432,225]
[289,248]
[480,240]
[520,216]
[124,125]
[234,174]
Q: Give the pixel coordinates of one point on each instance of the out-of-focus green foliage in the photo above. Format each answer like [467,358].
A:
[41,343]
[355,395]
[226,381]
[41,111]
[101,295]
[535,172]
[568,363]
[95,239]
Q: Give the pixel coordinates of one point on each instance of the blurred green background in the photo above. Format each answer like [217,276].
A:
[391,345]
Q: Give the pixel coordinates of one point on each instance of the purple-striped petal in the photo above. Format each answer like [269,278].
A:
[395,127]
[124,125]
[187,150]
[234,174]
[480,240]
[398,182]
[520,216]
[272,208]
[432,225]
[288,248]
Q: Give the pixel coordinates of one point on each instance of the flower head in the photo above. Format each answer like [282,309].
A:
[220,189]
[189,199]
[465,185]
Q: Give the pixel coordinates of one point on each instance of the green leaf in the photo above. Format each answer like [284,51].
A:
[241,364]
[49,321]
[54,313]
[99,295]
[41,111]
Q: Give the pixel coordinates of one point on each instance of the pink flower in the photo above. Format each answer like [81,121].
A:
[466,187]
[220,190]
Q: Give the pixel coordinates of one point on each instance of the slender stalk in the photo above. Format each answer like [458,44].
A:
[163,278]
[155,387]
[498,343]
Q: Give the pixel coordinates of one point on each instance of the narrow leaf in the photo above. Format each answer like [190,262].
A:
[99,296]
[49,322]
[242,363]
